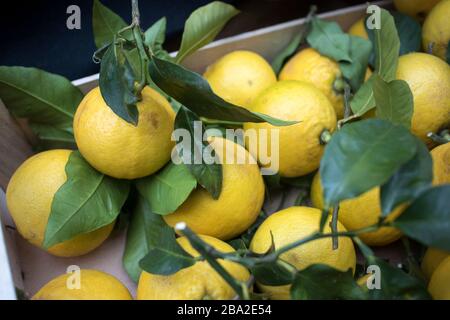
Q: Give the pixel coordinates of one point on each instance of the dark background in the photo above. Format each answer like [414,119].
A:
[34,33]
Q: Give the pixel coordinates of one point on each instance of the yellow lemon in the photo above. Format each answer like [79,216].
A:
[431,260]
[360,212]
[299,145]
[29,198]
[295,223]
[429,80]
[436,30]
[415,8]
[240,200]
[358,29]
[310,66]
[440,281]
[118,148]
[93,285]
[441,164]
[197,282]
[239,77]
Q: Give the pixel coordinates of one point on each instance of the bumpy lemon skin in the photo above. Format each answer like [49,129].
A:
[429,79]
[197,282]
[239,77]
[29,198]
[417,9]
[94,285]
[293,224]
[300,149]
[441,164]
[358,29]
[436,30]
[360,212]
[120,149]
[431,260]
[440,281]
[240,200]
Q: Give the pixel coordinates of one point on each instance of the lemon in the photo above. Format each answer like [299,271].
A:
[415,8]
[440,281]
[299,145]
[360,212]
[29,198]
[310,66]
[358,29]
[429,80]
[118,148]
[295,223]
[93,285]
[431,260]
[197,282]
[436,30]
[240,200]
[238,77]
[441,164]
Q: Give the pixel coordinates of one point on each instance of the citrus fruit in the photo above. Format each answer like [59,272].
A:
[429,80]
[29,198]
[441,164]
[295,223]
[238,77]
[436,30]
[197,282]
[360,212]
[431,260]
[118,148]
[415,8]
[440,281]
[310,66]
[93,285]
[299,145]
[358,29]
[240,200]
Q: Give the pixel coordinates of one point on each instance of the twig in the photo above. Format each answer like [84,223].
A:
[333,225]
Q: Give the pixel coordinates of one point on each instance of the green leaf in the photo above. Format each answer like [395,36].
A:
[208,175]
[355,71]
[155,37]
[409,181]
[395,284]
[363,155]
[394,101]
[167,189]
[105,24]
[47,100]
[409,33]
[165,256]
[117,84]
[87,201]
[136,246]
[277,273]
[323,282]
[427,219]
[203,25]
[194,92]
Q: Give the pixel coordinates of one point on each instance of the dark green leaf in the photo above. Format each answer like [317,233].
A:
[427,219]
[87,201]
[117,84]
[167,189]
[237,244]
[273,274]
[155,37]
[395,284]
[409,33]
[409,181]
[323,282]
[355,71]
[363,155]
[394,101]
[136,244]
[194,92]
[203,25]
[47,100]
[208,175]
[105,24]
[165,256]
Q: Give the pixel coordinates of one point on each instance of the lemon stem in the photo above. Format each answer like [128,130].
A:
[325,137]
[442,138]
